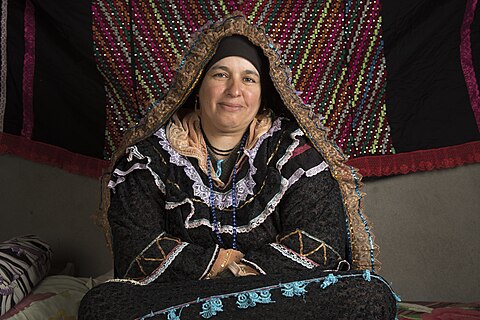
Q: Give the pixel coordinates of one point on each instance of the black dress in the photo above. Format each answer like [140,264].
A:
[290,224]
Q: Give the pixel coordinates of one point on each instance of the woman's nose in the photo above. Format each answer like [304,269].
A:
[233,87]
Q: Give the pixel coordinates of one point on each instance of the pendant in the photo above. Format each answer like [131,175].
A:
[218,172]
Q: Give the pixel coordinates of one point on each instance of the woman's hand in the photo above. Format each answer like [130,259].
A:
[241,270]
[224,259]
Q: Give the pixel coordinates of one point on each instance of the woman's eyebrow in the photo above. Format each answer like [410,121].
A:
[225,68]
[248,71]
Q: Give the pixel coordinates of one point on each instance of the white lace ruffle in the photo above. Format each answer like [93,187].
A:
[134,152]
[288,154]
[222,200]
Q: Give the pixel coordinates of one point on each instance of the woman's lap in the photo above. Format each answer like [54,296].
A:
[310,295]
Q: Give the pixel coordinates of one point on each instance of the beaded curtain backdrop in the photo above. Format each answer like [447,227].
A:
[334,49]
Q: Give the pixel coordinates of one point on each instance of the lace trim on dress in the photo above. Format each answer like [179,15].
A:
[285,184]
[133,152]
[292,255]
[288,154]
[222,200]
[161,269]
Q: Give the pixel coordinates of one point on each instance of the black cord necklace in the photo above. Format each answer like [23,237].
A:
[217,151]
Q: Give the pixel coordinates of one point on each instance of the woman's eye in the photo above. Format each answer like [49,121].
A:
[249,80]
[220,75]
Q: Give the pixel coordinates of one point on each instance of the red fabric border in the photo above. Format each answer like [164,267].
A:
[52,155]
[422,160]
[371,166]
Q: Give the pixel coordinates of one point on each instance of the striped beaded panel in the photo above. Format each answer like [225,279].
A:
[333,47]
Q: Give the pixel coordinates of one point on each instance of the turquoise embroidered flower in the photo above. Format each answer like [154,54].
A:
[172,315]
[250,299]
[211,308]
[294,289]
[329,280]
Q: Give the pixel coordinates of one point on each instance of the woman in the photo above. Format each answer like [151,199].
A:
[229,201]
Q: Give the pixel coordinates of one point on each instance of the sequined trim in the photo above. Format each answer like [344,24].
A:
[292,255]
[28,69]
[3,58]
[133,152]
[467,60]
[222,200]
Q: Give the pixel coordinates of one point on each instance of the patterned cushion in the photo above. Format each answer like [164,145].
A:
[24,261]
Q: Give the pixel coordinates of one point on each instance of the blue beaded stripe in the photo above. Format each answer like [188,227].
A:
[213,305]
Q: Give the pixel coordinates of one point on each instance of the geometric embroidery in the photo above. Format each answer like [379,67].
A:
[306,245]
[155,255]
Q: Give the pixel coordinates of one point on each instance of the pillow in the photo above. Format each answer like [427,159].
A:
[24,261]
[55,297]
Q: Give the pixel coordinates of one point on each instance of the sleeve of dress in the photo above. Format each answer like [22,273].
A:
[312,221]
[143,250]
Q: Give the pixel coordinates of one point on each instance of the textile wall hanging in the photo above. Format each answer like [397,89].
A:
[396,81]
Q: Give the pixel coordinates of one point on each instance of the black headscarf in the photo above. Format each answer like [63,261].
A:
[241,47]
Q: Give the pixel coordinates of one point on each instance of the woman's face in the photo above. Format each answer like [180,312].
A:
[229,96]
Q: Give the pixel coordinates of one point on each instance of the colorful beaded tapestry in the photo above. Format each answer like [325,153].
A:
[334,49]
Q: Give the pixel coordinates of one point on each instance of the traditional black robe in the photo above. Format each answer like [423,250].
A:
[290,225]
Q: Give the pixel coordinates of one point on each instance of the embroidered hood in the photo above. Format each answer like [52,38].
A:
[283,100]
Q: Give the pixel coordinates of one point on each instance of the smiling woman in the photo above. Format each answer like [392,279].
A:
[229,201]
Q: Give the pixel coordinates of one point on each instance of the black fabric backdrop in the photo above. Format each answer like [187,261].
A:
[69,96]
[428,105]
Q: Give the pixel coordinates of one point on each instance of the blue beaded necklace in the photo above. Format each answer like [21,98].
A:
[234,196]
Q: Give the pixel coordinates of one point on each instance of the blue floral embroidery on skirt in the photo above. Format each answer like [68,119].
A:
[329,280]
[172,315]
[250,299]
[294,289]
[211,308]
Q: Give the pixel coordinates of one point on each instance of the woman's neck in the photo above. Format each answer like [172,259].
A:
[222,144]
